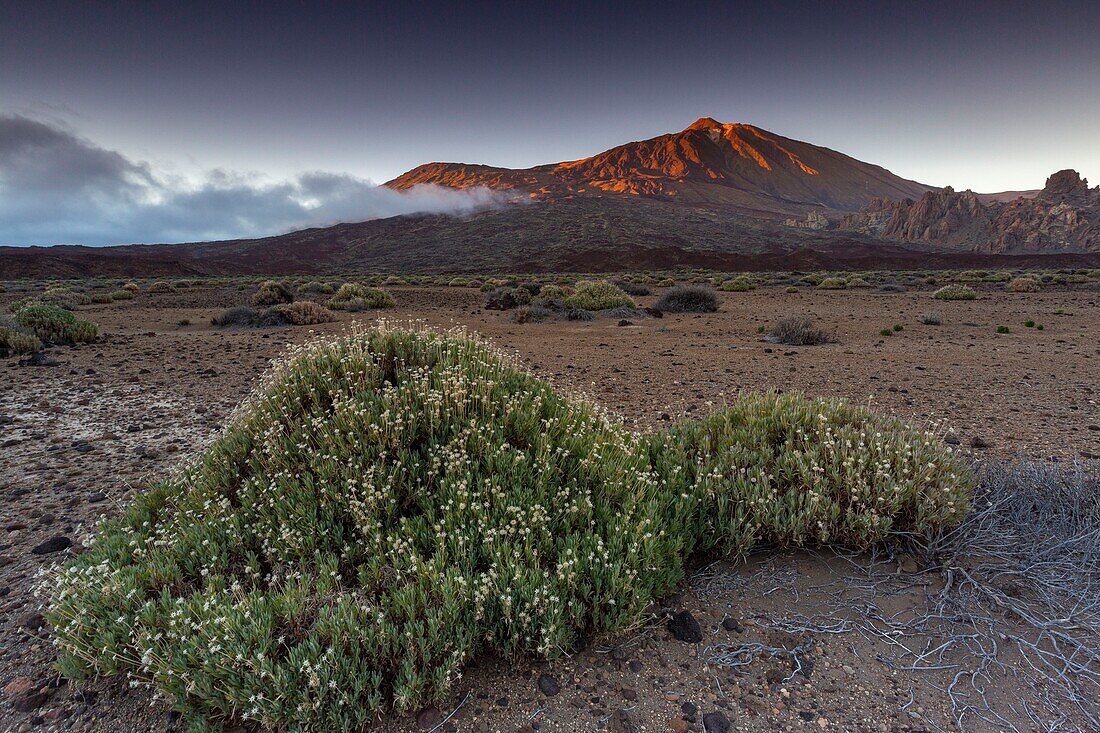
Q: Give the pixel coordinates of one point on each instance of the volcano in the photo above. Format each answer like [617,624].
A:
[729,166]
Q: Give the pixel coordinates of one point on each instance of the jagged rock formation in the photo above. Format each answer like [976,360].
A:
[731,166]
[1063,217]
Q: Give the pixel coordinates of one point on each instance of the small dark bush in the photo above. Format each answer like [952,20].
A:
[245,316]
[631,288]
[931,318]
[797,332]
[688,299]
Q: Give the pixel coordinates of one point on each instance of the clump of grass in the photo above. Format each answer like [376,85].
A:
[797,332]
[1029,323]
[389,504]
[272,292]
[103,298]
[833,283]
[931,318]
[886,332]
[597,295]
[1024,284]
[355,297]
[791,289]
[1002,329]
[122,294]
[166,286]
[688,299]
[955,292]
[667,282]
[858,282]
[898,327]
[52,324]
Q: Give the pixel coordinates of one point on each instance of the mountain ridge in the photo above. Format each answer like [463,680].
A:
[735,166]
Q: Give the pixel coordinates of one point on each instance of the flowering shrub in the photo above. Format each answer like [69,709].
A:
[355,297]
[53,324]
[955,292]
[272,292]
[597,295]
[786,470]
[388,504]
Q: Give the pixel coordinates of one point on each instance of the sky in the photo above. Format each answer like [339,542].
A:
[180,121]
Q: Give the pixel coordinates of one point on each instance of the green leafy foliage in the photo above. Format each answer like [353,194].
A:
[388,504]
[597,295]
[17,342]
[53,324]
[355,297]
[955,292]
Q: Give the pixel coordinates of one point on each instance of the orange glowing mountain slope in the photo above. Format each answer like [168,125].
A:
[710,164]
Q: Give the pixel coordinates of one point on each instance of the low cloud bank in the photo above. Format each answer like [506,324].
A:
[59,188]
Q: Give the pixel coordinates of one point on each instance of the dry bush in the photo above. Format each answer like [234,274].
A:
[798,332]
[1024,285]
[303,313]
[688,299]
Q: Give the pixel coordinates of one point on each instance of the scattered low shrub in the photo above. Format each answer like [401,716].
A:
[63,296]
[631,288]
[165,286]
[387,505]
[1002,329]
[243,316]
[1029,323]
[668,282]
[955,292]
[52,324]
[507,297]
[272,292]
[597,295]
[791,289]
[886,332]
[833,283]
[303,313]
[739,284]
[104,298]
[316,286]
[797,332]
[355,297]
[858,282]
[534,313]
[555,292]
[898,327]
[132,287]
[931,318]
[13,341]
[891,288]
[122,294]
[688,299]
[1024,285]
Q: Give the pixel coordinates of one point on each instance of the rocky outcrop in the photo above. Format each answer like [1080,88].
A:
[1063,217]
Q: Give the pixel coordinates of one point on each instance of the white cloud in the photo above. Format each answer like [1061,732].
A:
[57,187]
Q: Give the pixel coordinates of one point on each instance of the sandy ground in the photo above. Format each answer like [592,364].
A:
[78,438]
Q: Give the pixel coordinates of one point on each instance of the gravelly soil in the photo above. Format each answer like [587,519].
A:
[78,438]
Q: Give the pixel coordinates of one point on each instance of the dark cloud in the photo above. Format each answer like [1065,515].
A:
[56,187]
